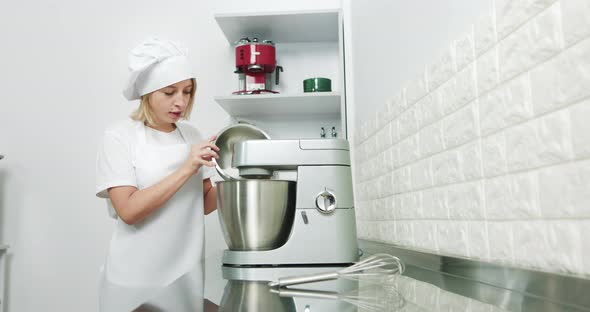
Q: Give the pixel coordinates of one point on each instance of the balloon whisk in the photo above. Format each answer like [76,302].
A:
[378,267]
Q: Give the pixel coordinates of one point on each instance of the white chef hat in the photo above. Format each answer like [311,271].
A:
[155,64]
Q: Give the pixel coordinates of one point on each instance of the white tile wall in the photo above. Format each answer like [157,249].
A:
[510,14]
[581,127]
[441,70]
[464,50]
[466,86]
[576,24]
[487,71]
[530,44]
[563,80]
[486,154]
[485,33]
[584,228]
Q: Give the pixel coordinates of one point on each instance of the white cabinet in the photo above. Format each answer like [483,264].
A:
[308,44]
[282,27]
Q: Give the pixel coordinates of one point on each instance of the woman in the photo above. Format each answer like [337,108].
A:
[154,173]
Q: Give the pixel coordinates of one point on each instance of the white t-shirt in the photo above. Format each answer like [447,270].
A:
[157,137]
[116,159]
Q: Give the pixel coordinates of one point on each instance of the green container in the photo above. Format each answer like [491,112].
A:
[317,85]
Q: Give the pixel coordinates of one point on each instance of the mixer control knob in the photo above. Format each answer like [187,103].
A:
[325,202]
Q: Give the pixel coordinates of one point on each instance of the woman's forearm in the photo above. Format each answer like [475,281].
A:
[134,205]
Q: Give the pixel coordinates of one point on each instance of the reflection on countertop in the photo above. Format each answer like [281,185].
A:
[213,287]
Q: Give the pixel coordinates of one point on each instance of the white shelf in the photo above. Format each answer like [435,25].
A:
[280,105]
[281,27]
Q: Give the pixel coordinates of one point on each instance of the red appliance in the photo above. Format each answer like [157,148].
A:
[255,64]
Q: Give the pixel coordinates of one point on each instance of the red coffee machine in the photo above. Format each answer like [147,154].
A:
[255,64]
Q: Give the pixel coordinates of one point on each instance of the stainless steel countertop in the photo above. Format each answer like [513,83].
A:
[511,288]
[220,288]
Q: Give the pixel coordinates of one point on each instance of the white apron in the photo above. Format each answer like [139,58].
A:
[167,244]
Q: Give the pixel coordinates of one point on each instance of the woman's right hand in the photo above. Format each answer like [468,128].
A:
[202,154]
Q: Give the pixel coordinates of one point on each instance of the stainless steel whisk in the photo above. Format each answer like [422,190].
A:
[377,266]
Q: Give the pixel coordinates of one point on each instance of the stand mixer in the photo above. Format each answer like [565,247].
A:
[291,204]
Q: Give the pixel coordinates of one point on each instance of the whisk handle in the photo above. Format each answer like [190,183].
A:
[307,294]
[287,281]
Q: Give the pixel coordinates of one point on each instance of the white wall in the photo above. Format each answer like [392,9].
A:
[483,151]
[63,66]
[394,40]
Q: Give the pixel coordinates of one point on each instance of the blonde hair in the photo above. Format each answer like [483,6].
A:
[145,114]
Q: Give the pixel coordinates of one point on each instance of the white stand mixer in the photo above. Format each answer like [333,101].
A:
[323,230]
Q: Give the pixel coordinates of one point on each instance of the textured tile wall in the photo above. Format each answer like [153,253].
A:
[486,154]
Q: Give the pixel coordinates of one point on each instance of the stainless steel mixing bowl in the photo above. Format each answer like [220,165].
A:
[226,139]
[256,214]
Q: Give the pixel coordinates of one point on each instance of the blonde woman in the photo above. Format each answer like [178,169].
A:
[154,172]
